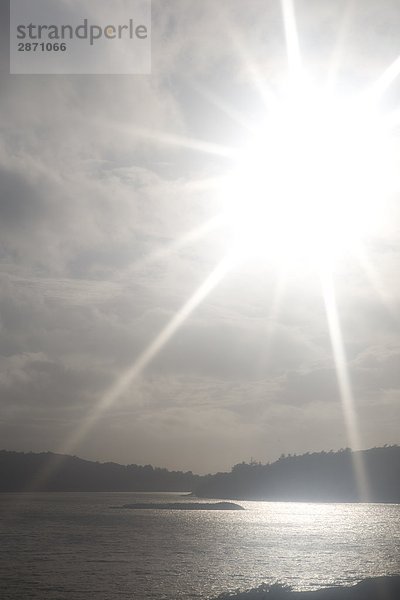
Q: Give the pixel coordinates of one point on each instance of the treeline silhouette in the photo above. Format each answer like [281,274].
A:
[51,472]
[317,477]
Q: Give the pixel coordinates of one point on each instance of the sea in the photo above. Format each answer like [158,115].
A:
[84,546]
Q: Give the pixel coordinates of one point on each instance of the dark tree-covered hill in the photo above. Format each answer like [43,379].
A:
[47,471]
[318,477]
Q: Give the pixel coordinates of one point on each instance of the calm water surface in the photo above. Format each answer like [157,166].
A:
[76,547]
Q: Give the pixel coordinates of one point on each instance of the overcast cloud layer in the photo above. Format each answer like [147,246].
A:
[91,200]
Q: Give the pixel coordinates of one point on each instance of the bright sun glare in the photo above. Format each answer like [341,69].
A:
[310,184]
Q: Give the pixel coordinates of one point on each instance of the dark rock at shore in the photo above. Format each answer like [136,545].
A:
[376,588]
[185,506]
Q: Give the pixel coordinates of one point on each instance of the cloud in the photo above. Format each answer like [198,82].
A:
[102,177]
[376,370]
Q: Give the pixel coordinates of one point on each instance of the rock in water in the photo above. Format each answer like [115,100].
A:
[186,506]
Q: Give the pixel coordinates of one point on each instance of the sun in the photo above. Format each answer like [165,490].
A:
[310,183]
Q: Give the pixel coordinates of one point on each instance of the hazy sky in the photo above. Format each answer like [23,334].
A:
[100,181]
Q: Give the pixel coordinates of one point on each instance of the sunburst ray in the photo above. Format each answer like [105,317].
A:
[344,383]
[130,375]
[292,40]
